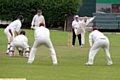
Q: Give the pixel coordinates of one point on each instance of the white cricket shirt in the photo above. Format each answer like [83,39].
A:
[41,32]
[21,38]
[95,35]
[76,24]
[15,25]
[37,20]
[84,24]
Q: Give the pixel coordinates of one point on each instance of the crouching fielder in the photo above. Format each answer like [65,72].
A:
[100,41]
[20,41]
[42,37]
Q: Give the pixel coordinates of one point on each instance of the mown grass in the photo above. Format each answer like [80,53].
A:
[71,60]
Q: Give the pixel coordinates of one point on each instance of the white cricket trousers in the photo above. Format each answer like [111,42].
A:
[23,45]
[100,43]
[18,44]
[38,42]
[9,33]
[83,37]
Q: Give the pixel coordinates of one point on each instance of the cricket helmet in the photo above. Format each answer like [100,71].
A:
[20,17]
[23,32]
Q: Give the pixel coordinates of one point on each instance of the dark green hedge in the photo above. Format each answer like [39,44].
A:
[53,10]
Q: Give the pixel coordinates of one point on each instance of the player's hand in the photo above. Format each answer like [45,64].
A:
[31,27]
[94,16]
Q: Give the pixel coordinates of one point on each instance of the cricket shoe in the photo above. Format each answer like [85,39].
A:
[81,46]
[55,64]
[10,54]
[109,64]
[73,46]
[29,62]
[88,64]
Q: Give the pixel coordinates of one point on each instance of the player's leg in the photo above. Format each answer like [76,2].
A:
[73,38]
[52,51]
[24,46]
[27,52]
[10,36]
[33,51]
[83,37]
[93,51]
[11,51]
[106,49]
[79,39]
[20,50]
[27,49]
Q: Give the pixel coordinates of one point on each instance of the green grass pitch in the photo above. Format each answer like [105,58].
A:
[71,60]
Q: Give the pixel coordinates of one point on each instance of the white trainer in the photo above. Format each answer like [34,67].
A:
[10,54]
[109,64]
[81,46]
[29,62]
[55,64]
[88,64]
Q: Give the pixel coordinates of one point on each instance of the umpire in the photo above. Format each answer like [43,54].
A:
[75,24]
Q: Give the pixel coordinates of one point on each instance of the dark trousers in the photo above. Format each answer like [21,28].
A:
[74,38]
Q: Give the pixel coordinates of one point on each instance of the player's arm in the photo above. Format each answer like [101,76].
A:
[17,32]
[33,22]
[73,25]
[90,40]
[91,19]
[43,20]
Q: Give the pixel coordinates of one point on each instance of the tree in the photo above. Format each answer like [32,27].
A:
[53,10]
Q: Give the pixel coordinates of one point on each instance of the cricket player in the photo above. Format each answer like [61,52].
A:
[75,25]
[11,28]
[81,28]
[20,41]
[42,37]
[100,41]
[37,19]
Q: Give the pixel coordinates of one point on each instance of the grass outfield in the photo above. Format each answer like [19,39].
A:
[71,61]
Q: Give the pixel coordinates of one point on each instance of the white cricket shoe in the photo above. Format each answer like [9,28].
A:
[73,46]
[109,64]
[81,46]
[10,54]
[55,64]
[88,64]
[29,62]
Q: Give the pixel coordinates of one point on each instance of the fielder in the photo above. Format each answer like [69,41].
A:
[100,41]
[20,41]
[42,37]
[37,19]
[81,28]
[11,28]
